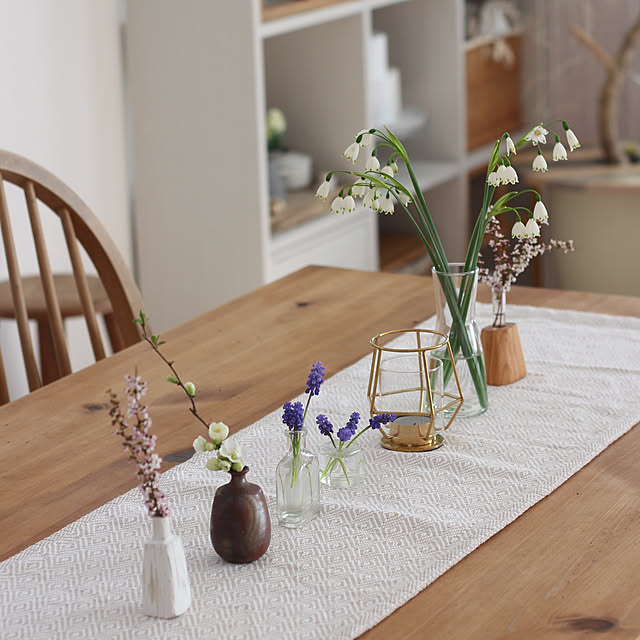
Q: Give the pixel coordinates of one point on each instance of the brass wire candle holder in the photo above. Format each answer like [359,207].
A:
[420,408]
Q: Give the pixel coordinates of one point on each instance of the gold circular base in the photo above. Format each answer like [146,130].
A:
[434,442]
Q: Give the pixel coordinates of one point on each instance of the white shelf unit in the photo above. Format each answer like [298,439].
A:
[201,75]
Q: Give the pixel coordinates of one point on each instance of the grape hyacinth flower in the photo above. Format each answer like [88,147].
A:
[293,415]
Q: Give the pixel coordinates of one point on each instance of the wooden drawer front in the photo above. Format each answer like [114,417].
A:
[493,94]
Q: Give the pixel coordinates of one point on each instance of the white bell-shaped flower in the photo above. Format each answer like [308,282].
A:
[572,140]
[537,135]
[337,206]
[371,200]
[388,171]
[386,206]
[532,228]
[540,164]
[510,175]
[373,164]
[519,230]
[352,151]
[323,190]
[365,141]
[493,179]
[511,148]
[359,190]
[348,204]
[540,211]
[403,198]
[559,152]
[500,174]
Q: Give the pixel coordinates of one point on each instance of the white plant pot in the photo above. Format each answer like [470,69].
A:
[165,579]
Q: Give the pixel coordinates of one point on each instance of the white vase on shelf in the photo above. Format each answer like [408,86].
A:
[165,580]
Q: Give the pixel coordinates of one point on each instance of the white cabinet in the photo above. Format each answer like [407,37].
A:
[201,75]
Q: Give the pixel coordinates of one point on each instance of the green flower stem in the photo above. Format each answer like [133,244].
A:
[296,439]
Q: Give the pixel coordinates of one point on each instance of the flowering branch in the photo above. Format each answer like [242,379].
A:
[140,444]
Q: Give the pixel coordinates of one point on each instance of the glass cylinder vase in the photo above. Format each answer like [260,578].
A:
[297,483]
[340,468]
[455,293]
[499,307]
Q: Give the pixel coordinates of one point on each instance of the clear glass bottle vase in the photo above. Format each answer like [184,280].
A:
[340,467]
[458,289]
[297,483]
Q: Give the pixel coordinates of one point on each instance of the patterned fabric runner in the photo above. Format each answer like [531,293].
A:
[373,547]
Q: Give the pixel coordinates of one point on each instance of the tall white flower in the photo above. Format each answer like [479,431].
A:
[352,151]
[500,174]
[365,141]
[511,148]
[323,190]
[510,175]
[540,211]
[386,205]
[572,140]
[373,164]
[388,171]
[540,164]
[349,204]
[519,230]
[218,431]
[559,152]
[537,135]
[337,206]
[532,228]
[493,179]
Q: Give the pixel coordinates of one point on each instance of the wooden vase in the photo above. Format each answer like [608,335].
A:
[240,526]
[504,360]
[165,581]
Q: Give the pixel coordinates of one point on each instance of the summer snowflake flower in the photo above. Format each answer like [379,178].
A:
[572,140]
[537,135]
[500,175]
[519,230]
[351,152]
[387,205]
[540,211]
[337,206]
[365,141]
[404,198]
[532,228]
[510,175]
[323,190]
[511,148]
[373,164]
[349,204]
[493,179]
[540,164]
[371,200]
[559,152]
[388,171]
[359,190]
[218,431]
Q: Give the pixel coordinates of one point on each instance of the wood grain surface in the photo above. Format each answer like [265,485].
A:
[566,568]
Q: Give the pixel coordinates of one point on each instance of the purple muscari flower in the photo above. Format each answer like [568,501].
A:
[381,419]
[315,379]
[325,427]
[293,415]
[352,424]
[344,434]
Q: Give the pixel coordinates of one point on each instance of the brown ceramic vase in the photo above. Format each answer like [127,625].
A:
[240,525]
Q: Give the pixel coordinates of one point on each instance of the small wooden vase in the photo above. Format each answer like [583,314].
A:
[240,526]
[503,356]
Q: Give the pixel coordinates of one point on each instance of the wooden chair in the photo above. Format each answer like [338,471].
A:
[49,299]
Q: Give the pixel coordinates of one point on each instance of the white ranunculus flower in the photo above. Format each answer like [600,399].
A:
[540,211]
[572,140]
[231,451]
[218,431]
[352,151]
[199,444]
[532,228]
[519,230]
[559,152]
[373,164]
[540,164]
[323,190]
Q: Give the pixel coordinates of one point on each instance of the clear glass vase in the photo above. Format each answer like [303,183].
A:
[499,307]
[455,294]
[297,483]
[340,467]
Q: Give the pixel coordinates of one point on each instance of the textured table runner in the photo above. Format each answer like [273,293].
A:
[373,547]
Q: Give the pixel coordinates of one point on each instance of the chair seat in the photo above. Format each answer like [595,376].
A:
[66,291]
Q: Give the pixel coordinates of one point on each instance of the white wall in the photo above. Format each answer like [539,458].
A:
[62,106]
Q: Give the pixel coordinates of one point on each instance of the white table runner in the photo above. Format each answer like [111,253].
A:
[373,547]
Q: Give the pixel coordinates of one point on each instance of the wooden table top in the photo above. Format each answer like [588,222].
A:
[566,567]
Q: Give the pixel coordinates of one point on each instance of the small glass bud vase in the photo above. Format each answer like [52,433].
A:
[340,468]
[297,483]
[499,307]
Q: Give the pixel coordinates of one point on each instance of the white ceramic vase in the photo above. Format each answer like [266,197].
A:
[165,579]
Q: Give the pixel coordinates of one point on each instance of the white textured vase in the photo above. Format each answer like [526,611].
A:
[165,580]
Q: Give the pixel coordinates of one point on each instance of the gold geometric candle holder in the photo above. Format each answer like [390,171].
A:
[407,379]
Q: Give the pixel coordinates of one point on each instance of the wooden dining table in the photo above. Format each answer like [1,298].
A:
[568,567]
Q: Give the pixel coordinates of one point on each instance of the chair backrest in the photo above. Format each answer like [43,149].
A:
[80,227]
